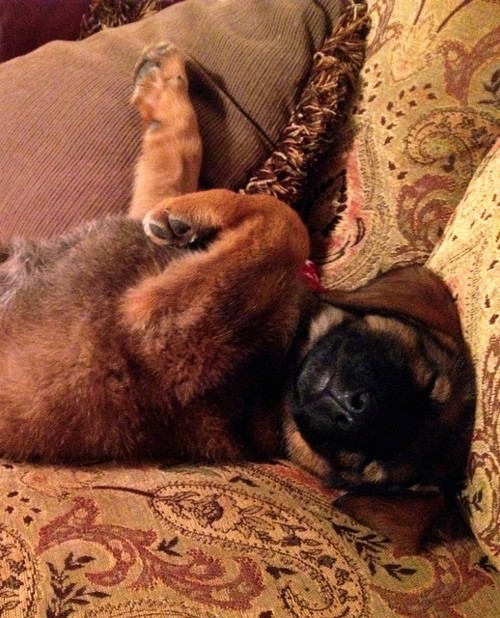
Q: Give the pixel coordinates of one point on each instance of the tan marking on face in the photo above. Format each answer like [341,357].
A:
[422,369]
[375,472]
[328,317]
[301,453]
[347,459]
[441,391]
[405,333]
[447,342]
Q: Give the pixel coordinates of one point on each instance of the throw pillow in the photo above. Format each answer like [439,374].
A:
[70,137]
[468,258]
[427,116]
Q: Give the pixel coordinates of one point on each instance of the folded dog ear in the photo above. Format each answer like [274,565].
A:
[412,292]
[405,519]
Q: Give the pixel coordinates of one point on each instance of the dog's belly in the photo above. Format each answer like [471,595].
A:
[67,384]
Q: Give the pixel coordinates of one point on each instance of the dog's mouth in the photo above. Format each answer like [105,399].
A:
[361,457]
[347,468]
[344,465]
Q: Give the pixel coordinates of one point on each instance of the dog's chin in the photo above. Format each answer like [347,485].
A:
[348,469]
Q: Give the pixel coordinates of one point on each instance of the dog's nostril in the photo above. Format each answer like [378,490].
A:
[342,420]
[359,402]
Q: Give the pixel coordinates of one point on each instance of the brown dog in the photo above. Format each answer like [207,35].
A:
[166,337]
[173,333]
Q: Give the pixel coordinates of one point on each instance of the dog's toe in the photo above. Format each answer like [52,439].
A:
[168,230]
[164,59]
[179,227]
[150,60]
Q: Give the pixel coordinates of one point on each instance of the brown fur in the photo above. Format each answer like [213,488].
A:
[405,519]
[147,350]
[169,333]
[117,343]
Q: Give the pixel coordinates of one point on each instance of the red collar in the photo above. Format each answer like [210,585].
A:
[309,273]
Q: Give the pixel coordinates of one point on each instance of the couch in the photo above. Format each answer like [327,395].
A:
[412,176]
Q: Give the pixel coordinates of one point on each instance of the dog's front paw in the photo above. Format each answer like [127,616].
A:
[164,228]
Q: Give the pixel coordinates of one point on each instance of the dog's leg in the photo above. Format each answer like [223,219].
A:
[170,159]
[405,518]
[214,310]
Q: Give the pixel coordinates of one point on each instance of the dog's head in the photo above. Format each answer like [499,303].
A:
[383,392]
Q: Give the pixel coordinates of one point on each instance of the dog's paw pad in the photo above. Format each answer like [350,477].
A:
[179,227]
[169,230]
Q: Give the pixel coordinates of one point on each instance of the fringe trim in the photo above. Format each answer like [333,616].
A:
[321,109]
[112,13]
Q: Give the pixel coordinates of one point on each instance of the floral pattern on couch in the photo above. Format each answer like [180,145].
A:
[257,540]
[468,257]
[427,115]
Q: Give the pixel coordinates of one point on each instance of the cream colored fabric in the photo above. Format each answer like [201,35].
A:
[468,258]
[426,118]
[250,541]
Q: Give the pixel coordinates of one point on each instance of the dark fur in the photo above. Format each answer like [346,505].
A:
[383,393]
[173,337]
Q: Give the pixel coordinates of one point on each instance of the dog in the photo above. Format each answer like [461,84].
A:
[383,394]
[178,331]
[160,334]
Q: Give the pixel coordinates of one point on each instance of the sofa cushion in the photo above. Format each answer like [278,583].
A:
[468,258]
[427,116]
[70,137]
[259,540]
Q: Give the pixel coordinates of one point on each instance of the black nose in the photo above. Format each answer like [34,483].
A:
[358,402]
[348,408]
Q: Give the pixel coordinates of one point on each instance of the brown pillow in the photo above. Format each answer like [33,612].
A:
[70,137]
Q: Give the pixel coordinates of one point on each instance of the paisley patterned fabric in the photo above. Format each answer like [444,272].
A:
[257,541]
[428,113]
[468,258]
